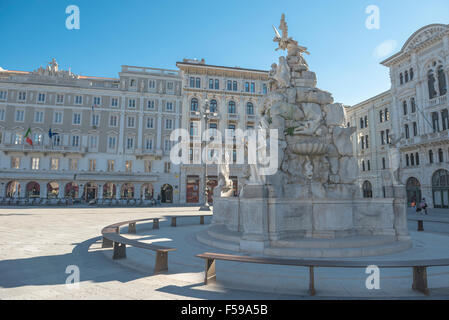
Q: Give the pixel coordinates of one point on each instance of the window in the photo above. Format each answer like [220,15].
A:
[407,133]
[76,118]
[92,164]
[211,83]
[264,88]
[114,102]
[246,86]
[192,82]
[234,86]
[95,119]
[369,165]
[17,138]
[111,142]
[406,76]
[22,96]
[97,101]
[57,117]
[253,87]
[411,74]
[382,137]
[381,116]
[229,85]
[150,123]
[113,120]
[132,103]
[194,104]
[59,98]
[3,95]
[169,106]
[110,165]
[217,84]
[130,143]
[194,128]
[38,139]
[367,189]
[56,140]
[147,164]
[231,107]
[73,164]
[15,163]
[442,84]
[363,165]
[435,122]
[39,116]
[167,166]
[128,166]
[149,143]
[150,104]
[362,142]
[440,155]
[387,115]
[78,99]
[151,84]
[34,164]
[213,127]
[413,105]
[170,86]
[404,107]
[430,156]
[93,141]
[20,115]
[431,83]
[167,144]
[249,108]
[417,158]
[2,114]
[168,123]
[75,141]
[54,164]
[407,161]
[213,106]
[383,163]
[132,83]
[361,123]
[131,121]
[415,129]
[401,78]
[366,142]
[41,97]
[412,159]
[198,82]
[387,136]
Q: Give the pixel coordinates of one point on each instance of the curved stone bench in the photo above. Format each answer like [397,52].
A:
[113,239]
[419,266]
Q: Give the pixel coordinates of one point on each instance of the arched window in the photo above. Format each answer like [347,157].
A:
[445,119]
[440,155]
[363,165]
[404,107]
[417,158]
[406,76]
[367,189]
[407,160]
[249,108]
[194,104]
[213,105]
[231,107]
[442,84]
[381,116]
[435,122]
[407,132]
[411,74]
[440,188]
[431,82]
[387,115]
[413,188]
[413,105]
[412,159]
[401,78]
[430,156]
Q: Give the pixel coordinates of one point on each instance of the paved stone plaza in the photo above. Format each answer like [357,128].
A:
[37,244]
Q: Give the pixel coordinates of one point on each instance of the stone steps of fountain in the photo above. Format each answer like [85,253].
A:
[361,241]
[222,233]
[205,238]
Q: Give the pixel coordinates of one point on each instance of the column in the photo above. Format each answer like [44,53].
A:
[137,191]
[43,186]
[61,189]
[118,188]
[100,191]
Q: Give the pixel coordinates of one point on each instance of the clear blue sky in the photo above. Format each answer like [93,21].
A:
[232,33]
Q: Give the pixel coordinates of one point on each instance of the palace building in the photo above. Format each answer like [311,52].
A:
[414,112]
[68,136]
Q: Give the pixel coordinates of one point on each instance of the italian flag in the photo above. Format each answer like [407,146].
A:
[27,138]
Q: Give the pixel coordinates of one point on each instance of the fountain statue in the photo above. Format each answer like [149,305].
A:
[312,205]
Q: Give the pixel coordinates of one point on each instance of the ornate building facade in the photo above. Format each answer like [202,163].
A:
[68,136]
[233,96]
[413,113]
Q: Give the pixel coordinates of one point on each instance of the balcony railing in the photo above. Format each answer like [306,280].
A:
[42,148]
[438,101]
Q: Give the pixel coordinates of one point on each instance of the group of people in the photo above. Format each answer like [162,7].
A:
[421,207]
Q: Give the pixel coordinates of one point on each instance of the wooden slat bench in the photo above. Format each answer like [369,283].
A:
[420,221]
[174,218]
[419,266]
[120,243]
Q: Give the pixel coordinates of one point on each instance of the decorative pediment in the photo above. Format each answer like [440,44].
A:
[425,34]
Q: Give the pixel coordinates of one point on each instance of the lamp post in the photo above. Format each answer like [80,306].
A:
[206,114]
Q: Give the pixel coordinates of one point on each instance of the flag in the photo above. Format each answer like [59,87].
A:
[27,138]
[52,134]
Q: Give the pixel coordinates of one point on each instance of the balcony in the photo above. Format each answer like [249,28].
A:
[233,117]
[25,148]
[437,101]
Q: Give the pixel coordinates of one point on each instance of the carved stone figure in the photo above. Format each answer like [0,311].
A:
[395,160]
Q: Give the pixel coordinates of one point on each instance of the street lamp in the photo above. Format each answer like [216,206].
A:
[206,114]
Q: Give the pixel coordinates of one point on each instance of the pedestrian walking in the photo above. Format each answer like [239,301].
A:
[424,206]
